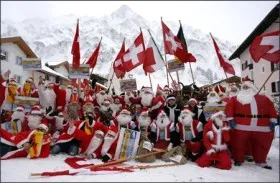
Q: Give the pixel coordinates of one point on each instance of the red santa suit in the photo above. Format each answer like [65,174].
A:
[60,98]
[2,89]
[252,126]
[10,94]
[41,150]
[215,140]
[30,125]
[123,120]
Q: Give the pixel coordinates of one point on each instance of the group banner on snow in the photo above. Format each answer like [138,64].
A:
[211,108]
[31,64]
[127,144]
[128,84]
[81,72]
[175,65]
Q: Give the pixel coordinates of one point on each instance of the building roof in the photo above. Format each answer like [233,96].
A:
[263,25]
[52,72]
[235,79]
[21,44]
[57,64]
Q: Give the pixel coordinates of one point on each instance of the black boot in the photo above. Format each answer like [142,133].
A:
[236,163]
[249,159]
[267,167]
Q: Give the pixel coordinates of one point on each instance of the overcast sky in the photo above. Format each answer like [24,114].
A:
[229,20]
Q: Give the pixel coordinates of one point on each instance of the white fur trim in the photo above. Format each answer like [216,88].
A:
[110,156]
[99,132]
[192,99]
[20,144]
[229,118]
[36,112]
[210,151]
[219,147]
[42,125]
[210,134]
[19,108]
[225,128]
[273,120]
[198,126]
[170,98]
[7,142]
[71,130]
[215,115]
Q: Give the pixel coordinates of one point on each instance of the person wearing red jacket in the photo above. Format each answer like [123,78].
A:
[3,80]
[215,138]
[31,144]
[252,118]
[34,118]
[123,120]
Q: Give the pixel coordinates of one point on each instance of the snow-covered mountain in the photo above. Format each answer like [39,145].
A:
[51,40]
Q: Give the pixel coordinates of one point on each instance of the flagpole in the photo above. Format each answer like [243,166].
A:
[150,81]
[167,72]
[166,60]
[187,50]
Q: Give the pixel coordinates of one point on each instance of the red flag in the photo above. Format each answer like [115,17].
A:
[174,46]
[135,55]
[76,49]
[118,64]
[154,60]
[223,61]
[266,46]
[74,82]
[93,59]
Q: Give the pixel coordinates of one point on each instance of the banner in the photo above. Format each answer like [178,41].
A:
[175,65]
[31,64]
[27,102]
[81,72]
[127,143]
[129,84]
[211,108]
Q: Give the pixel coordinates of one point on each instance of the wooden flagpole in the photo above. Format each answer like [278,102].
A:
[165,60]
[150,80]
[266,81]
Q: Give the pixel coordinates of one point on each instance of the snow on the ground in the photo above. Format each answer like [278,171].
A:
[20,170]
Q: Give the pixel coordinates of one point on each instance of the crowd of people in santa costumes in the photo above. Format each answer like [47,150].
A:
[89,124]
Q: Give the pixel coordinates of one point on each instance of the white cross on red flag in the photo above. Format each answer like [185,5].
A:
[118,63]
[135,55]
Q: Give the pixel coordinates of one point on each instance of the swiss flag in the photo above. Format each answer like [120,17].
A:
[266,46]
[118,63]
[93,59]
[76,48]
[223,61]
[154,60]
[174,46]
[135,55]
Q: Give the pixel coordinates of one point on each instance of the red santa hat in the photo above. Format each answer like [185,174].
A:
[44,125]
[20,108]
[166,88]
[215,115]
[99,132]
[160,112]
[113,130]
[192,99]
[219,89]
[29,79]
[35,110]
[170,97]
[13,81]
[187,110]
[247,81]
[125,111]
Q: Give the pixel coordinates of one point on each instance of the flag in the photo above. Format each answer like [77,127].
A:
[93,59]
[173,45]
[154,60]
[135,55]
[266,46]
[181,36]
[159,88]
[118,63]
[76,48]
[223,61]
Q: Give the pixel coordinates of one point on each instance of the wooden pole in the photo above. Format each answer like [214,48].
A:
[178,80]
[266,81]
[150,81]
[79,87]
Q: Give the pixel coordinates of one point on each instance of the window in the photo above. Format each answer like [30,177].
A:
[275,66]
[47,77]
[19,61]
[251,75]
[5,54]
[18,78]
[275,87]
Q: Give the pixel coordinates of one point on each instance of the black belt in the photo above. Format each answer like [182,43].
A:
[251,116]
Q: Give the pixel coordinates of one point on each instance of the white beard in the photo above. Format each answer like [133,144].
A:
[59,123]
[33,121]
[219,122]
[187,119]
[68,94]
[82,95]
[213,99]
[165,94]
[116,107]
[123,120]
[18,115]
[100,98]
[246,96]
[162,122]
[144,121]
[50,98]
[146,99]
[232,94]
[94,144]
[103,108]
[108,141]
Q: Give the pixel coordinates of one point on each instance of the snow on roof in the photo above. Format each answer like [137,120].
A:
[49,70]
[55,63]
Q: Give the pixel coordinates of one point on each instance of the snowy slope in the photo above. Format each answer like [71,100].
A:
[20,169]
[51,39]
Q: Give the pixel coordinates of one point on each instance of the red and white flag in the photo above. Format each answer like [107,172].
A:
[118,63]
[224,63]
[174,46]
[135,55]
[266,46]
[154,60]
[93,59]
[76,48]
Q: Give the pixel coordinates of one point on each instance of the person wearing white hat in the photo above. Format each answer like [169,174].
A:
[198,112]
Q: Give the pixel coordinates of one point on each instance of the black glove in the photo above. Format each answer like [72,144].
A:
[198,137]
[153,137]
[15,120]
[54,113]
[57,79]
[105,158]
[90,119]
[81,100]
[48,109]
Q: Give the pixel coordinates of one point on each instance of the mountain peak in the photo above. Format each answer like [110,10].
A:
[123,11]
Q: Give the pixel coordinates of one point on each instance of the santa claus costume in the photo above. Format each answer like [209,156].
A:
[253,118]
[47,96]
[10,95]
[31,144]
[232,91]
[63,96]
[99,98]
[198,111]
[123,120]
[18,118]
[215,138]
[3,78]
[117,105]
[33,119]
[213,97]
[27,89]
[191,133]
[160,130]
